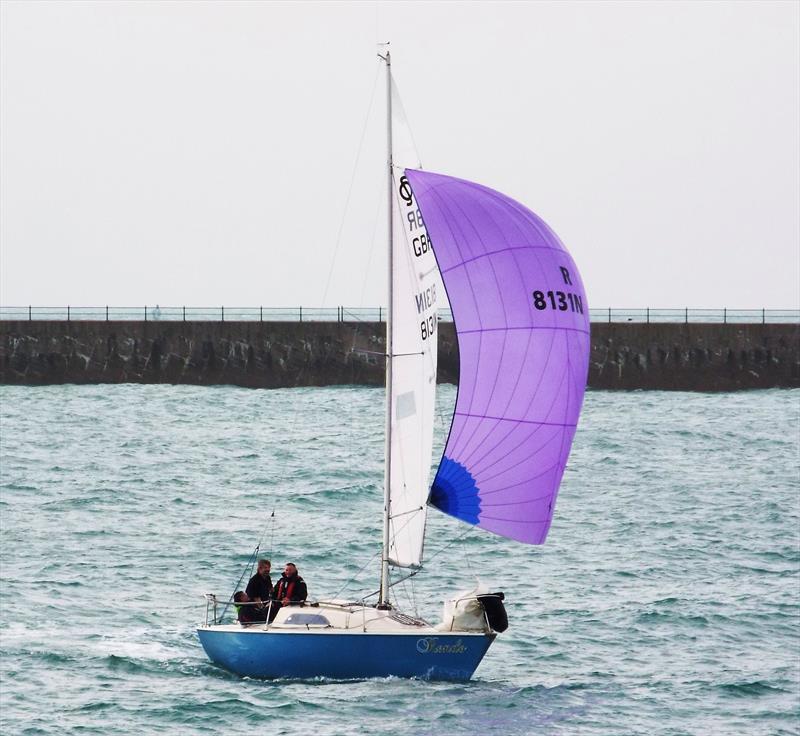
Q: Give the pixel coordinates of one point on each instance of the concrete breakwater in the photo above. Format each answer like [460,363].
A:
[689,357]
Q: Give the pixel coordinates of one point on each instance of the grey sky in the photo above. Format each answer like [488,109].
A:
[201,153]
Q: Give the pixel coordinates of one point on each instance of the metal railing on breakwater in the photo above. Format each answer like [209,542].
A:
[373,314]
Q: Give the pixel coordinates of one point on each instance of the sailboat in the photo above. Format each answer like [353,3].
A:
[522,323]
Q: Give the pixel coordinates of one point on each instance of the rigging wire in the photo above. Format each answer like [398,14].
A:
[409,597]
[378,212]
[465,555]
[397,101]
[467,531]
[351,423]
[271,519]
[249,564]
[413,573]
[253,558]
[351,579]
[372,248]
[270,523]
[338,241]
[272,535]
[351,415]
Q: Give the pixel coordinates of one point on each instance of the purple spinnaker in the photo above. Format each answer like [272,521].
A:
[522,323]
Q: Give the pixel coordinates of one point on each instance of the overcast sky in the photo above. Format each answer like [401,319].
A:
[202,153]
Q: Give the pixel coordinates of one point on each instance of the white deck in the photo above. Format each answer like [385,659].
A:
[342,617]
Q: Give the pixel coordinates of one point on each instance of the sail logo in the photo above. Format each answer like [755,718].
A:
[431,645]
[404,191]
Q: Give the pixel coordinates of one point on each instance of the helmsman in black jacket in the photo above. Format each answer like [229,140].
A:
[259,588]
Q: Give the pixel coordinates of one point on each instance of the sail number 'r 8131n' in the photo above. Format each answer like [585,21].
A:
[559,300]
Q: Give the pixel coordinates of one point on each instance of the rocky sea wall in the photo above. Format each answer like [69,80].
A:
[627,356]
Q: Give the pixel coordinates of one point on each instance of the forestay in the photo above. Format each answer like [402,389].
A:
[522,322]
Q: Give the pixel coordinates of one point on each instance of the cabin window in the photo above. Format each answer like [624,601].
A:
[307,619]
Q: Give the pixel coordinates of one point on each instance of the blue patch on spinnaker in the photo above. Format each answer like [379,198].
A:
[454,492]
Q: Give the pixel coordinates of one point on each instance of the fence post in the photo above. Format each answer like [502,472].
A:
[222,314]
[261,314]
[686,315]
[609,315]
[67,313]
[301,314]
[648,315]
[763,316]
[380,314]
[106,312]
[145,313]
[184,314]
[29,313]
[724,315]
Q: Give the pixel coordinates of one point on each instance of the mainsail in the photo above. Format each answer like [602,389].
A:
[522,323]
[413,388]
[415,296]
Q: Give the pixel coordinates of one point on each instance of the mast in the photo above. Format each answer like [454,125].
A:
[383,598]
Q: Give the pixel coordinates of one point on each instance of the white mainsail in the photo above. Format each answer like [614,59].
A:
[413,390]
[411,355]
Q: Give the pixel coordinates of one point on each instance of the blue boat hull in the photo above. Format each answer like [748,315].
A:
[356,655]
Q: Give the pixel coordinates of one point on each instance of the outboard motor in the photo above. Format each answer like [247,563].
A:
[475,610]
[496,615]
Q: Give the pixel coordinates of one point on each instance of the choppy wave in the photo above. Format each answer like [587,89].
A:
[664,601]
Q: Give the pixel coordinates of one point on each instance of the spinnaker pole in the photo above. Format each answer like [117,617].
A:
[383,598]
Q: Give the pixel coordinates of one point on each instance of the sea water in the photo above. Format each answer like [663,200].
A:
[665,601]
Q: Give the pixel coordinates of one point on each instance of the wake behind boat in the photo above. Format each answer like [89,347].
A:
[522,323]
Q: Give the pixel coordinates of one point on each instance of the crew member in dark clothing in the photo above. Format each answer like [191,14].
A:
[247,614]
[290,590]
[259,588]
